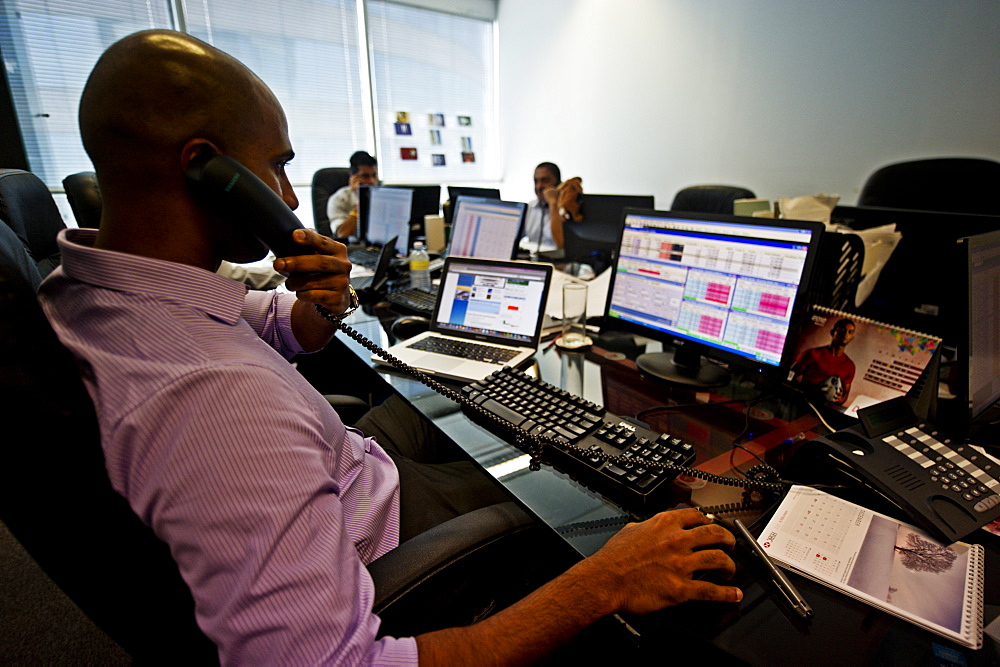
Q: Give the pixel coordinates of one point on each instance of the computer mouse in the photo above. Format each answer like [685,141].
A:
[409,326]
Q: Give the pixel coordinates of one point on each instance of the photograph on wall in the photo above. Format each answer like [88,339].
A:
[408,153]
[468,157]
[438,159]
[435,119]
[435,137]
[466,144]
[403,128]
[402,116]
[465,121]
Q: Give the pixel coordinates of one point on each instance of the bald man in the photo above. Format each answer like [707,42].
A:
[271,510]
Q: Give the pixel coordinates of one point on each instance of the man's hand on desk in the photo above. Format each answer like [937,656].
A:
[651,565]
[322,278]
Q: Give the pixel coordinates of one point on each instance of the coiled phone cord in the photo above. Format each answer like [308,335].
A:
[759,477]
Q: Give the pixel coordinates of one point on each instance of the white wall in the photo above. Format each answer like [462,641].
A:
[783,97]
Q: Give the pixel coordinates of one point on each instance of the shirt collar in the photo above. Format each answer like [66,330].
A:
[213,294]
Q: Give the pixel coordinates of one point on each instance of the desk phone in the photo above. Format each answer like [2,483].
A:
[947,488]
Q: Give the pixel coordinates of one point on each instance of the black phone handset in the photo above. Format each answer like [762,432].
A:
[236,192]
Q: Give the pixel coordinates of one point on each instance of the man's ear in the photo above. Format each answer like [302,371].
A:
[195,148]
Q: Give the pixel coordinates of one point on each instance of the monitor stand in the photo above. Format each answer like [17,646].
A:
[684,367]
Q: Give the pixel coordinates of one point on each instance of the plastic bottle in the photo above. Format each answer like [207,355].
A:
[420,262]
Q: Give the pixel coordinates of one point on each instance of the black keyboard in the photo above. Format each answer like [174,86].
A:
[547,411]
[490,354]
[413,300]
[366,257]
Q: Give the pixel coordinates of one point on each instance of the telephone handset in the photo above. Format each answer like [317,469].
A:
[947,488]
[236,192]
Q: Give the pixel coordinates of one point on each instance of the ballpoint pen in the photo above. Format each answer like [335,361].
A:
[798,603]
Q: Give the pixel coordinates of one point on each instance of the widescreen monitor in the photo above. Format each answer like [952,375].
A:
[485,228]
[456,191]
[724,286]
[426,201]
[384,214]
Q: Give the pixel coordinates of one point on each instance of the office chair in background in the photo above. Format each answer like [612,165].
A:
[709,198]
[84,197]
[952,184]
[27,206]
[325,183]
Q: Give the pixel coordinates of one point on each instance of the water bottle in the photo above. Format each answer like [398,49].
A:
[420,263]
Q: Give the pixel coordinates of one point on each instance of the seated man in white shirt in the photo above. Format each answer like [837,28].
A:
[342,207]
[539,221]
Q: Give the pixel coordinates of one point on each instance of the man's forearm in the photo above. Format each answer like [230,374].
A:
[311,331]
[528,629]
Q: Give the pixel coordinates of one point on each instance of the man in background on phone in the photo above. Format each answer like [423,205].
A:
[342,207]
[271,506]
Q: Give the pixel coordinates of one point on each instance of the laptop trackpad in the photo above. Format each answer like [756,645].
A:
[438,362]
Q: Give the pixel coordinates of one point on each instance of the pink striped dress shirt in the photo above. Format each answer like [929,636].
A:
[270,505]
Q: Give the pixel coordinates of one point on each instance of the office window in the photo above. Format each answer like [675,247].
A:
[311,53]
[49,48]
[437,69]
[307,51]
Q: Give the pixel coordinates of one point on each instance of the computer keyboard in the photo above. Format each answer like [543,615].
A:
[545,410]
[490,354]
[366,257]
[414,301]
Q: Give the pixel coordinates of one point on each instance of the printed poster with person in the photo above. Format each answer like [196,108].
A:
[851,362]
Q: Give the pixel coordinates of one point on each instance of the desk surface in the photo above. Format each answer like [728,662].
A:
[758,630]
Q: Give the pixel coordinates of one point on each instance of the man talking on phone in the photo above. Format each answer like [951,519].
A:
[342,207]
[270,505]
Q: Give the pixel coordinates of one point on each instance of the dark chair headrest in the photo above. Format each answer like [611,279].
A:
[27,206]
[951,184]
[709,198]
[84,197]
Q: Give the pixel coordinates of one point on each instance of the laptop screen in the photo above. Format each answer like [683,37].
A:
[485,228]
[504,301]
[389,216]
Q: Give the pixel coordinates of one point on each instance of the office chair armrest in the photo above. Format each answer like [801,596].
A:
[462,570]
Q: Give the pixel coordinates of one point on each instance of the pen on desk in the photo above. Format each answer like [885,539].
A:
[552,343]
[798,603]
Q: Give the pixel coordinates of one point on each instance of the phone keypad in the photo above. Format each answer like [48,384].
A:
[960,470]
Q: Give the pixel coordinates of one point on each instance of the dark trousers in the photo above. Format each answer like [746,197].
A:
[437,482]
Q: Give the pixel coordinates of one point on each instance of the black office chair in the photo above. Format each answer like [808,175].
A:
[15,256]
[953,184]
[84,197]
[325,183]
[709,198]
[27,206]
[55,497]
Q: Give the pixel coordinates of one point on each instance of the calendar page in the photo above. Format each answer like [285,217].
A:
[886,563]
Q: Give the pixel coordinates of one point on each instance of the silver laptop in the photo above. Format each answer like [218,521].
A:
[488,315]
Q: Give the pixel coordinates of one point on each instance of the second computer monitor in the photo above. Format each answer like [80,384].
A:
[485,228]
[385,213]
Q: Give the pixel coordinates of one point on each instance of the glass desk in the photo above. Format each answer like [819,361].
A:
[761,629]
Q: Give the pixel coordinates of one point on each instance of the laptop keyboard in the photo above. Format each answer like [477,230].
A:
[459,348]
